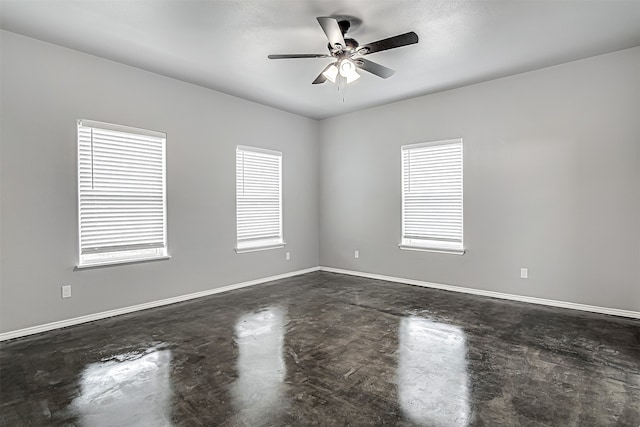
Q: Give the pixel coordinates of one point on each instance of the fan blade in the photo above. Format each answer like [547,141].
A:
[321,78]
[374,68]
[390,43]
[299,55]
[332,30]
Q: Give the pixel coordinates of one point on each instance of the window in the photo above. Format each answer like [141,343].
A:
[432,196]
[258,199]
[121,194]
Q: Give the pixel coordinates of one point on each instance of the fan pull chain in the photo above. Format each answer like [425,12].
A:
[342,87]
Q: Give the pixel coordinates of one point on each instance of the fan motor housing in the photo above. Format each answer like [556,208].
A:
[351,46]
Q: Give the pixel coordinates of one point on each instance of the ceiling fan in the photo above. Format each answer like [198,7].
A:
[349,54]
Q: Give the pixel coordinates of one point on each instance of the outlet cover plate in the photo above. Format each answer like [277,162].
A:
[66,291]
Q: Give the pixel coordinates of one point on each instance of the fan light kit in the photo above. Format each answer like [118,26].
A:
[348,54]
[347,69]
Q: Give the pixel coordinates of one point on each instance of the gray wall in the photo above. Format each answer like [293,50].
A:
[552,183]
[45,88]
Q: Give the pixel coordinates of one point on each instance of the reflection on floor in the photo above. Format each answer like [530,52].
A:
[329,349]
[258,391]
[132,383]
[433,384]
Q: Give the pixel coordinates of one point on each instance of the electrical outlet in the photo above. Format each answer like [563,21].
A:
[356,254]
[287,256]
[66,291]
[524,273]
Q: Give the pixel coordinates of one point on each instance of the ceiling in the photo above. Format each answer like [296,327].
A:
[223,44]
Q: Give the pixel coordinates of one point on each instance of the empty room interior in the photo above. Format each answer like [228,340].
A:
[371,212]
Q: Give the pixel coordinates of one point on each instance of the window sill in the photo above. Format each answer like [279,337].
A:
[431,249]
[259,248]
[121,261]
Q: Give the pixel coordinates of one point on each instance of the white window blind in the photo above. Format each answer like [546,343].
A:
[121,193]
[432,196]
[258,199]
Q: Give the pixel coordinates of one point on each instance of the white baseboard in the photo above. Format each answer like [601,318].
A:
[110,313]
[533,300]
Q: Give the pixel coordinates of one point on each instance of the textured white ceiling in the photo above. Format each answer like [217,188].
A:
[223,44]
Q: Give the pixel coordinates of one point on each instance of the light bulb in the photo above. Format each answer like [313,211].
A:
[348,70]
[347,67]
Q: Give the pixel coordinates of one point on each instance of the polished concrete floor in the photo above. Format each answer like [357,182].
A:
[329,349]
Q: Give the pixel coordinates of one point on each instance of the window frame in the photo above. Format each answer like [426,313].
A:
[132,255]
[426,245]
[267,244]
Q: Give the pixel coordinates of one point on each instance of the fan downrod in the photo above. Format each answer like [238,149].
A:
[344,26]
